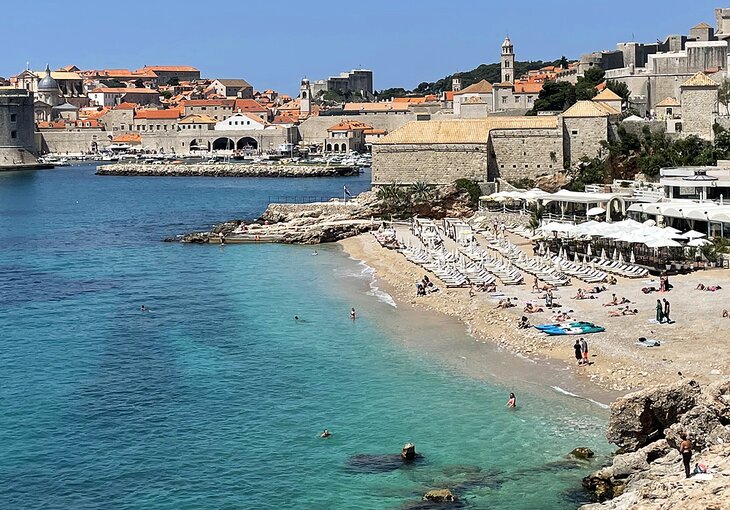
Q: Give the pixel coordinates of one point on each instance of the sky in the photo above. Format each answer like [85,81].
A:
[276,43]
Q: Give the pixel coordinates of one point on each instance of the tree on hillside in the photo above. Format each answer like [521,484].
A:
[554,96]
[620,89]
[392,92]
[585,88]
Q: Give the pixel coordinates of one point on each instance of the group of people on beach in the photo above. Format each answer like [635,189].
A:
[425,286]
[662,311]
[580,349]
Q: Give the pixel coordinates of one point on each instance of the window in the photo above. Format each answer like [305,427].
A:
[574,132]
[501,166]
[514,166]
[529,99]
[203,108]
[504,100]
[13,134]
[538,166]
[506,63]
[517,99]
[14,117]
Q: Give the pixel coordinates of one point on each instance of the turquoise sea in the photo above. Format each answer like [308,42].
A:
[215,397]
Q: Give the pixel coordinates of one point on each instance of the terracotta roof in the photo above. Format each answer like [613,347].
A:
[349,125]
[60,75]
[124,90]
[668,101]
[93,113]
[92,123]
[210,102]
[527,87]
[449,95]
[376,107]
[607,95]
[606,108]
[475,131]
[285,119]
[701,25]
[179,69]
[373,131]
[586,109]
[233,82]
[248,105]
[171,114]
[414,100]
[126,106]
[505,84]
[601,86]
[128,138]
[480,87]
[700,80]
[198,119]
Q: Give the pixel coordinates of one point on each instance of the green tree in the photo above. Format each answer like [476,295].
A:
[723,95]
[620,89]
[554,96]
[472,188]
[585,88]
[421,192]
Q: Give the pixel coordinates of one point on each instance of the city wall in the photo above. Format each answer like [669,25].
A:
[525,153]
[314,129]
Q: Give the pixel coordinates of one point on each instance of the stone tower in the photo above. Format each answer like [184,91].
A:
[305,98]
[48,90]
[698,97]
[455,84]
[508,61]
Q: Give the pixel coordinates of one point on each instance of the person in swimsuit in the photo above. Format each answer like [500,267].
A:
[512,402]
[353,315]
[659,311]
[685,448]
[325,434]
[584,351]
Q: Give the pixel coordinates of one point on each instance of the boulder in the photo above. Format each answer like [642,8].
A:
[408,453]
[440,496]
[640,418]
[582,453]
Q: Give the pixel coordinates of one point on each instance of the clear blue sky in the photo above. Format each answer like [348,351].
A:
[273,44]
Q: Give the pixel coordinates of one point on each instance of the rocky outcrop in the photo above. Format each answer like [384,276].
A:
[440,496]
[223,170]
[582,453]
[408,452]
[647,473]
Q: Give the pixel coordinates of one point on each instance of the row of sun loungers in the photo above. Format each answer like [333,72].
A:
[579,271]
[620,268]
[507,274]
[444,270]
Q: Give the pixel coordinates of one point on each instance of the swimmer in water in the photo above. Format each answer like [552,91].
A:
[353,315]
[325,434]
[512,402]
[314,253]
[143,308]
[296,317]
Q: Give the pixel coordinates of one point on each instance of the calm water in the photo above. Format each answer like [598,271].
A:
[214,398]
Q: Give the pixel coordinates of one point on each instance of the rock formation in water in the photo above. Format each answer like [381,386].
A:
[647,472]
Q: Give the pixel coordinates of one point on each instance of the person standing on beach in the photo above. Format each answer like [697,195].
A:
[666,310]
[584,351]
[685,448]
[659,311]
[578,352]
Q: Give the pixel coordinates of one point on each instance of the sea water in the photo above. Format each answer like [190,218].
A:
[214,398]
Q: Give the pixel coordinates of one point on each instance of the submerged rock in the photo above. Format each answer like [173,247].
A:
[440,496]
[582,453]
[408,453]
[367,463]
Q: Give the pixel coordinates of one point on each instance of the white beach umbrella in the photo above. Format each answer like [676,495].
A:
[632,259]
[603,253]
[595,211]
[575,258]
[649,223]
[698,242]
[590,250]
[662,243]
[615,254]
[585,260]
[693,234]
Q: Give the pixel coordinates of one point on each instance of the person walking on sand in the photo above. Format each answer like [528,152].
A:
[512,402]
[666,311]
[578,352]
[685,448]
[584,351]
[659,311]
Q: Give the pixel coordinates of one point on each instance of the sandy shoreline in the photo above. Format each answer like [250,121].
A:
[693,345]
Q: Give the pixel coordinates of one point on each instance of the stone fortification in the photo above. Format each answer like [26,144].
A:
[314,129]
[525,153]
[432,163]
[222,170]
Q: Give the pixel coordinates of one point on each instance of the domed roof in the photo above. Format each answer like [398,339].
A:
[506,42]
[48,83]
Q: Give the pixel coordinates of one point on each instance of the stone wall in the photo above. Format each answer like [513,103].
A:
[432,163]
[16,119]
[699,106]
[582,137]
[519,153]
[314,129]
[72,142]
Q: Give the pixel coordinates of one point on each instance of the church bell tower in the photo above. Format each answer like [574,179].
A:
[508,61]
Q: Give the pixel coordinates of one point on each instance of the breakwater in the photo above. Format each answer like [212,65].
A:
[224,170]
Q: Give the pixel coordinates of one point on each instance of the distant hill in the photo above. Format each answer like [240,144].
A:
[490,72]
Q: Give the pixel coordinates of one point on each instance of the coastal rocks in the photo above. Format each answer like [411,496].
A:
[408,452]
[223,170]
[641,417]
[368,463]
[440,496]
[582,453]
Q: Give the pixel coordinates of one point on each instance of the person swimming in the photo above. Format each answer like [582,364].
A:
[353,315]
[314,253]
[512,402]
[143,308]
[325,434]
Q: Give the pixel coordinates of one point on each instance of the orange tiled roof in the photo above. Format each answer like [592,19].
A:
[373,131]
[210,102]
[248,105]
[124,90]
[480,87]
[170,114]
[179,69]
[285,118]
[527,87]
[94,113]
[126,106]
[128,138]
[449,95]
[350,125]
